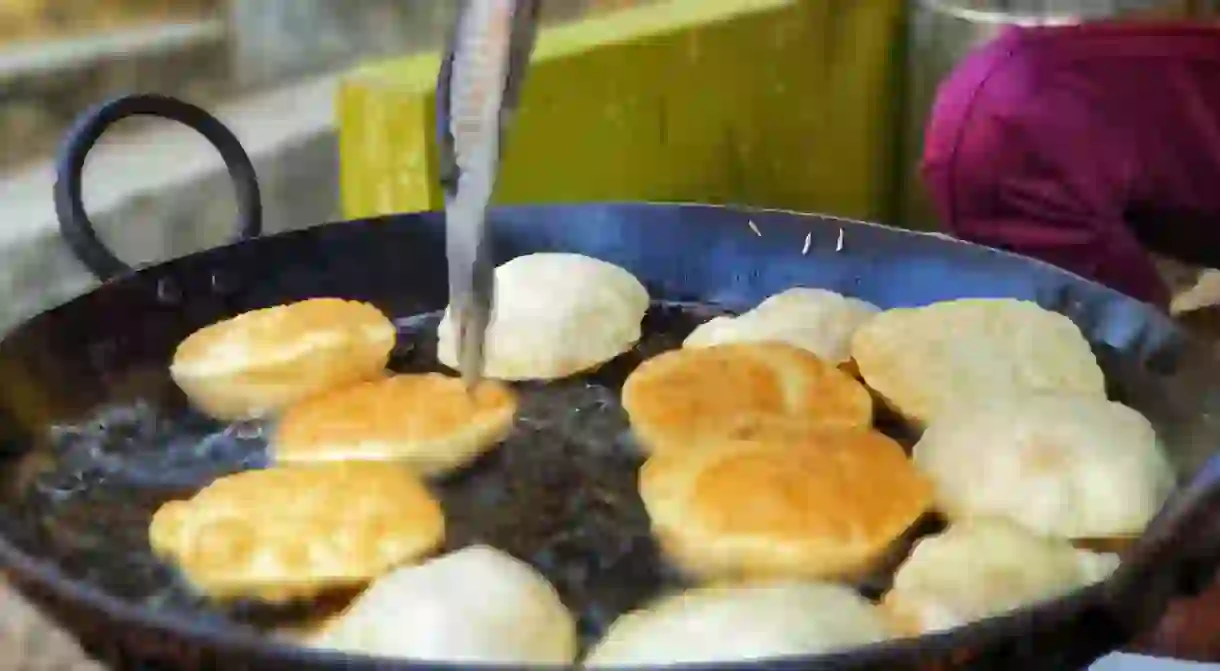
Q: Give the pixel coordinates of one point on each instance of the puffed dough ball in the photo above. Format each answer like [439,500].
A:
[476,606]
[983,568]
[925,360]
[1068,466]
[555,315]
[428,422]
[282,534]
[783,500]
[738,623]
[260,361]
[816,320]
[680,398]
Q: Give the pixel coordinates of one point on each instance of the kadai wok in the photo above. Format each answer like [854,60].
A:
[260,456]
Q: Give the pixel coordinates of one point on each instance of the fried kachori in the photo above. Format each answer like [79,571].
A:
[783,500]
[985,567]
[428,422]
[739,623]
[556,314]
[816,320]
[284,534]
[1062,465]
[258,362]
[925,360]
[676,398]
[475,605]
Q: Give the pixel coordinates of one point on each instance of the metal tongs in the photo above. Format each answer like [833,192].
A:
[477,91]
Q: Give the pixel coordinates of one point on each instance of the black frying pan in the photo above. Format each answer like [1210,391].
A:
[95,435]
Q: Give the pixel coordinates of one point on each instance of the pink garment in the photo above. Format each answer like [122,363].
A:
[1085,146]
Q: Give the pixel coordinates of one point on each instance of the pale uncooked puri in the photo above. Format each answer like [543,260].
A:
[555,315]
[260,361]
[1062,465]
[925,360]
[476,605]
[743,622]
[983,568]
[819,321]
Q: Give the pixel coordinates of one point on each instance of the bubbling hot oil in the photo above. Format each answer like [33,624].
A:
[559,493]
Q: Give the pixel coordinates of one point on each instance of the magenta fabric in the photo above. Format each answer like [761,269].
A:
[1084,147]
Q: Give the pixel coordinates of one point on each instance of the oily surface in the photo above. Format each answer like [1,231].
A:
[559,492]
[570,461]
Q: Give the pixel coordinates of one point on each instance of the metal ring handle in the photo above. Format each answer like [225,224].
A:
[74,223]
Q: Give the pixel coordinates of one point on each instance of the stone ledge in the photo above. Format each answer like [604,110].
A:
[56,56]
[163,192]
[44,85]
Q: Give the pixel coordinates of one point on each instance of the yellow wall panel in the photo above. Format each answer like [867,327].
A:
[779,103]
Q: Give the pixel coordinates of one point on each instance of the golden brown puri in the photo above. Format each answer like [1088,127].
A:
[676,398]
[924,361]
[427,422]
[783,500]
[289,533]
[260,361]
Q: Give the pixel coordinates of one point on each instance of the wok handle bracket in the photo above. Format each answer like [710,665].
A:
[1177,556]
[74,224]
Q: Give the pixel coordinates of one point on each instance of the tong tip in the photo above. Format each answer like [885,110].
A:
[472,332]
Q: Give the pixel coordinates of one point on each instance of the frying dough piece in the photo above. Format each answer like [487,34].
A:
[923,361]
[983,568]
[263,360]
[819,321]
[741,622]
[783,500]
[287,533]
[476,605]
[556,315]
[1061,465]
[427,422]
[676,398]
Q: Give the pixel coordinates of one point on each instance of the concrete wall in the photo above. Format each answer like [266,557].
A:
[275,39]
[39,19]
[45,85]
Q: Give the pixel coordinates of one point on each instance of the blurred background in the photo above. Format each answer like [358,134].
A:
[59,56]
[804,104]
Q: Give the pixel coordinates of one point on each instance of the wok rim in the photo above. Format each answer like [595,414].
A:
[116,614]
[123,614]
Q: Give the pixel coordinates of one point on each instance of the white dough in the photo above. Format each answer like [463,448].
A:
[730,623]
[983,568]
[816,320]
[1061,465]
[476,605]
[555,315]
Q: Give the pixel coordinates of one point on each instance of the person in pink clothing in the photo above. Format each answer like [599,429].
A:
[1086,147]
[1089,147]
